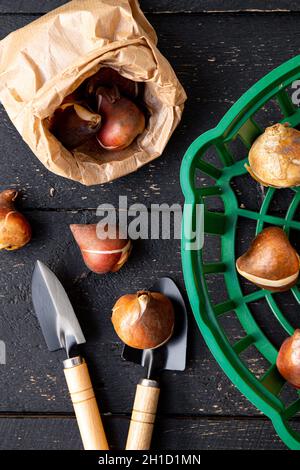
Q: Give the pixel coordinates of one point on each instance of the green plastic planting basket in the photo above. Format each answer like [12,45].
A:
[239,123]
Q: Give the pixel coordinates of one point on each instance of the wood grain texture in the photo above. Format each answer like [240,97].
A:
[163,6]
[143,415]
[86,408]
[179,434]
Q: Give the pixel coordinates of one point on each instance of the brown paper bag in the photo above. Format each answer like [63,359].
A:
[47,60]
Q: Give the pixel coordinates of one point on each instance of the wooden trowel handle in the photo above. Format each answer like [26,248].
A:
[85,405]
[143,415]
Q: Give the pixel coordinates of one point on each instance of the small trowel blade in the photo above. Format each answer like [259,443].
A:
[55,313]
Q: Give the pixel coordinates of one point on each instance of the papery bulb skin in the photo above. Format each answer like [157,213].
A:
[270,262]
[122,120]
[144,320]
[101,255]
[15,231]
[288,359]
[109,77]
[73,123]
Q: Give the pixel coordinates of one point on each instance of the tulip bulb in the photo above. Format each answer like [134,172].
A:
[271,262]
[288,359]
[109,77]
[15,231]
[122,121]
[101,255]
[144,320]
[274,158]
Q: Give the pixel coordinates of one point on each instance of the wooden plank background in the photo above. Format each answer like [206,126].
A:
[165,6]
[61,433]
[217,56]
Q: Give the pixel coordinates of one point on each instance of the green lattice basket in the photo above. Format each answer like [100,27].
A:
[239,124]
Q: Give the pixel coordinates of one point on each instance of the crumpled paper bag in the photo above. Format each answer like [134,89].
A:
[48,59]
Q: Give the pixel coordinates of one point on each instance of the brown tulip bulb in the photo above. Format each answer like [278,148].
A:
[73,124]
[288,359]
[101,255]
[15,231]
[144,320]
[274,157]
[271,262]
[122,120]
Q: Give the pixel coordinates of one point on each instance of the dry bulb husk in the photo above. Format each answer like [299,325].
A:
[144,320]
[73,124]
[271,262]
[288,359]
[108,77]
[274,158]
[15,231]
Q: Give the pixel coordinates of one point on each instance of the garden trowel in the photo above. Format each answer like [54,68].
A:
[169,356]
[61,330]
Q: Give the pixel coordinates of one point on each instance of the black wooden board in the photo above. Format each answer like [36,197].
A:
[217,57]
[61,433]
[164,6]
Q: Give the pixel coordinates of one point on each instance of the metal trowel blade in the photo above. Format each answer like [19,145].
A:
[55,313]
